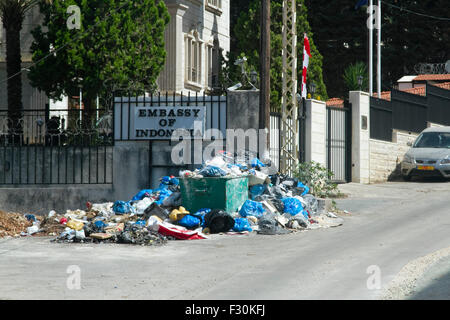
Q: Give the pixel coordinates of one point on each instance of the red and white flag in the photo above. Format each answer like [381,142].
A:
[306,56]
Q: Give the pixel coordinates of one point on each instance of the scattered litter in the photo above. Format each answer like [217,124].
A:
[332,215]
[276,204]
[270,226]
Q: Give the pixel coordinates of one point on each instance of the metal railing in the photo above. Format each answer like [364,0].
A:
[63,146]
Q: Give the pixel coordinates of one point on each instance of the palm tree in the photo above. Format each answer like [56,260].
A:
[353,73]
[12,13]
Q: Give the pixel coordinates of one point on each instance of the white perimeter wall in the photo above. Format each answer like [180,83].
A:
[385,156]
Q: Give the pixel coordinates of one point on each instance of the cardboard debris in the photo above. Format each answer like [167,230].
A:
[101,236]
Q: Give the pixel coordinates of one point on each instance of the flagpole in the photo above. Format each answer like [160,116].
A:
[379,50]
[371,48]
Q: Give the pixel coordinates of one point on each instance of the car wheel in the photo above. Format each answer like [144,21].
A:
[406,178]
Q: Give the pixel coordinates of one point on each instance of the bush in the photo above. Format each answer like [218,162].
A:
[318,179]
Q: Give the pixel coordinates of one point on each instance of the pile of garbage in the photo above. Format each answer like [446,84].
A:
[12,224]
[277,204]
[17,224]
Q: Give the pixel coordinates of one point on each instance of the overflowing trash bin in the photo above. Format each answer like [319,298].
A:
[231,195]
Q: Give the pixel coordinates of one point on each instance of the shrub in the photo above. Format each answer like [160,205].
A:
[318,179]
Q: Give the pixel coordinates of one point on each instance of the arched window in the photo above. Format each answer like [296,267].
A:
[215,3]
[193,59]
[212,63]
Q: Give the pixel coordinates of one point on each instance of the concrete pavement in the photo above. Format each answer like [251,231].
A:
[390,225]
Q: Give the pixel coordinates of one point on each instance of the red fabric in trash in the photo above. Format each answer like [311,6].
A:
[179,234]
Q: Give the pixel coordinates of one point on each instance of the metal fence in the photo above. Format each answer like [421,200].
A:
[338,142]
[408,112]
[63,146]
[276,137]
[380,119]
[215,117]
[438,105]
[215,113]
[275,142]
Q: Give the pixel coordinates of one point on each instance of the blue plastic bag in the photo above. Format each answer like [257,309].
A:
[212,171]
[169,180]
[122,207]
[142,194]
[200,214]
[256,163]
[163,194]
[257,190]
[140,223]
[252,208]
[242,224]
[99,225]
[189,222]
[292,206]
[30,217]
[301,185]
[165,180]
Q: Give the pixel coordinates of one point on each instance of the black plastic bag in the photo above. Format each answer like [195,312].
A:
[270,226]
[278,204]
[218,221]
[155,210]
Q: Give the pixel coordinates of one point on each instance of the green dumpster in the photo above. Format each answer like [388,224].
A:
[224,193]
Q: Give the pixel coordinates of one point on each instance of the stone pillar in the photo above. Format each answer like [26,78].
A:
[243,109]
[360,136]
[315,125]
[172,76]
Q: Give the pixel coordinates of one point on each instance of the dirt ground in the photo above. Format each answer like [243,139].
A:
[13,224]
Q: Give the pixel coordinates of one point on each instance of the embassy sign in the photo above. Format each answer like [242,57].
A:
[159,122]
[157,116]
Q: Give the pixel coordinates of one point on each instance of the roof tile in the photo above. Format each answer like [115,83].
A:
[432,77]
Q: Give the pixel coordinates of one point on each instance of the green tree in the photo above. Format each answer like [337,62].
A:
[341,35]
[410,39]
[352,74]
[12,13]
[247,34]
[120,46]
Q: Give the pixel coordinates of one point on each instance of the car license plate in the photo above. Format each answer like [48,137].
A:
[425,168]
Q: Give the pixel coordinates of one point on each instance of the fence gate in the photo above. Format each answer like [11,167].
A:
[339,137]
[180,108]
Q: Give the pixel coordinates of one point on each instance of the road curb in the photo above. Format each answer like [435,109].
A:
[402,285]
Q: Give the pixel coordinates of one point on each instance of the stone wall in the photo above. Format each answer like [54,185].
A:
[360,136]
[316,129]
[385,157]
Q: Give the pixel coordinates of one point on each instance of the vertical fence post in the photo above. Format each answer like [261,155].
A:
[348,141]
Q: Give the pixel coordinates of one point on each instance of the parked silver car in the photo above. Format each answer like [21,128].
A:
[429,155]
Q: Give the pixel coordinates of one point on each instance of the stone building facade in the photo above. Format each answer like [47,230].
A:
[197,33]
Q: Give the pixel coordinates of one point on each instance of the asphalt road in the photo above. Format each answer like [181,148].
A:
[390,225]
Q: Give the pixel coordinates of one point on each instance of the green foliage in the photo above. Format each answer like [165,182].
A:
[411,39]
[230,75]
[120,46]
[318,179]
[341,36]
[351,75]
[12,15]
[247,31]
